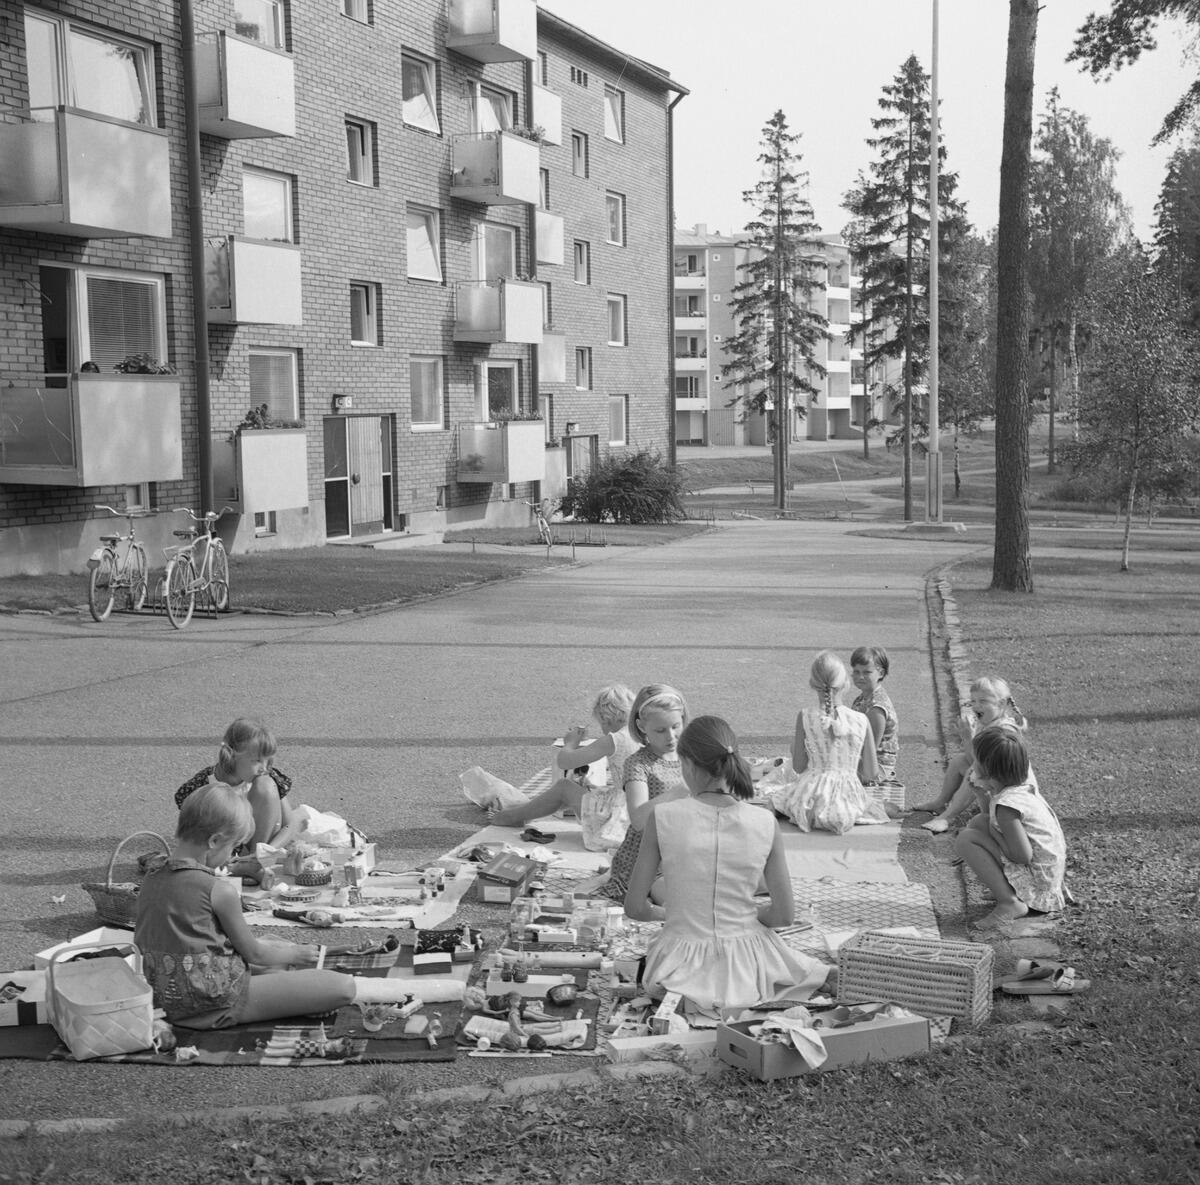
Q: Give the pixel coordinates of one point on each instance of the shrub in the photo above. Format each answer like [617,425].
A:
[627,488]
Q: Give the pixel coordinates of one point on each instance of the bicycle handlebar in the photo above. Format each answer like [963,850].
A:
[207,516]
[124,513]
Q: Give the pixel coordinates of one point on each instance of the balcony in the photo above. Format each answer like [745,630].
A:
[251,281]
[552,358]
[496,168]
[246,90]
[85,175]
[690,321]
[691,402]
[547,114]
[689,281]
[512,450]
[493,30]
[498,311]
[97,430]
[261,469]
[549,237]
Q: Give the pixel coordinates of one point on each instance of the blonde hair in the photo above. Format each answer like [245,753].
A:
[827,678]
[244,735]
[215,810]
[654,697]
[996,689]
[612,705]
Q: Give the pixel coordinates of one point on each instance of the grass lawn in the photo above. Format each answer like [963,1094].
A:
[1103,1093]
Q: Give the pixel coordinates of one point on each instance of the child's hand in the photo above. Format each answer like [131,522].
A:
[966,727]
[574,736]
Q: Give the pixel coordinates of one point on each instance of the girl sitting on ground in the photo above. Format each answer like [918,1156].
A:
[717,948]
[591,784]
[868,669]
[1015,845]
[205,964]
[657,719]
[830,746]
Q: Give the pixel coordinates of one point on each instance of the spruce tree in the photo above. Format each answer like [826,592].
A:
[1177,230]
[772,353]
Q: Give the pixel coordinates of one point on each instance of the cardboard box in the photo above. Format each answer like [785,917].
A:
[876,1040]
[496,893]
[695,1043]
[103,936]
[28,1008]
[508,868]
[660,1022]
[432,964]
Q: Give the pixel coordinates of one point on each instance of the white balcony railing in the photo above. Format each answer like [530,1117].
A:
[509,451]
[252,281]
[493,30]
[498,311]
[75,173]
[549,237]
[496,168]
[552,358]
[246,90]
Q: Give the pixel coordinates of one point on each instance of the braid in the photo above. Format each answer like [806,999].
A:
[827,700]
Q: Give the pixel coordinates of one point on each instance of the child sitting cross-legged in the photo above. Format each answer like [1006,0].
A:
[206,966]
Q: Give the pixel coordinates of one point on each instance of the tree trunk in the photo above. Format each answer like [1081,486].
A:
[1012,569]
[1073,374]
[957,471]
[1129,518]
[908,332]
[1053,396]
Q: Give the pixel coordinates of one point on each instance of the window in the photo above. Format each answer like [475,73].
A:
[360,152]
[544,189]
[579,154]
[547,304]
[614,114]
[583,368]
[80,66]
[687,386]
[546,407]
[491,110]
[583,262]
[264,522]
[578,76]
[267,206]
[426,393]
[495,256]
[498,389]
[358,10]
[618,408]
[420,93]
[139,497]
[259,20]
[616,320]
[543,67]
[424,244]
[273,382]
[615,204]
[364,317]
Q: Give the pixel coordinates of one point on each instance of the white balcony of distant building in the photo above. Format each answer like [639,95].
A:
[91,430]
[495,168]
[252,281]
[493,30]
[837,292]
[498,311]
[507,451]
[690,322]
[246,90]
[549,237]
[69,172]
[691,361]
[691,402]
[838,391]
[552,357]
[689,279]
[547,114]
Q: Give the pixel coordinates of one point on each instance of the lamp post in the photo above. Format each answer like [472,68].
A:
[933,457]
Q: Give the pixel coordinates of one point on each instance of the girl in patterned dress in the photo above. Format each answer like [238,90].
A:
[868,668]
[1017,847]
[657,719]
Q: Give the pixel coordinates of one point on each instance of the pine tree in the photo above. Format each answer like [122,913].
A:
[890,232]
[772,353]
[1177,230]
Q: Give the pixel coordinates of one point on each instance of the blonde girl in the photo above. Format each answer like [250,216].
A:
[991,703]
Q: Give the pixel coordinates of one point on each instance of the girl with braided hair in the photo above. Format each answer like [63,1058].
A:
[830,742]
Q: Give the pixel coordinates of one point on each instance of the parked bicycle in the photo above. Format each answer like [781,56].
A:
[111,570]
[197,568]
[539,514]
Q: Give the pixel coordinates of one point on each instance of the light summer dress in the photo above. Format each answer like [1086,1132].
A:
[712,949]
[1039,884]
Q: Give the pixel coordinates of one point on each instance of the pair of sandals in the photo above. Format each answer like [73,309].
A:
[533,835]
[1044,978]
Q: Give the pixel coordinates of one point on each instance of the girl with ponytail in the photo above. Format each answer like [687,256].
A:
[826,793]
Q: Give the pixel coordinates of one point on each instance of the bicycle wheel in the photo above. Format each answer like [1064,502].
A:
[137,570]
[219,589]
[181,596]
[101,584]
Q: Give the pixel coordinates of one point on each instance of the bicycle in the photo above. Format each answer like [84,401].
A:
[186,578]
[539,515]
[111,571]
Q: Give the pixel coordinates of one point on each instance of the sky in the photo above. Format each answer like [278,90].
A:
[825,62]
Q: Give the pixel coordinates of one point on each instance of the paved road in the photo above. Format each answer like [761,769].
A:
[377,715]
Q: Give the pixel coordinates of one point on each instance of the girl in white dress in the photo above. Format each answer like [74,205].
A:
[830,741]
[1017,847]
[717,948]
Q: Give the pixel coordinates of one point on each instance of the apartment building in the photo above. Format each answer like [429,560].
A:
[707,267]
[434,242]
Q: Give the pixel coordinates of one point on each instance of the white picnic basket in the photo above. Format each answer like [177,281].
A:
[99,1007]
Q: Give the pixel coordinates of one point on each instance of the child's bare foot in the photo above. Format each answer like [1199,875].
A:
[1006,911]
[937,826]
[932,808]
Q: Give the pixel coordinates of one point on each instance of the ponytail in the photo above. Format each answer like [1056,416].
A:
[223,769]
[712,747]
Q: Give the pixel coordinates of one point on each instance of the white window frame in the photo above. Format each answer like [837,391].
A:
[272,29]
[479,257]
[614,114]
[360,156]
[614,204]
[543,67]
[81,326]
[438,364]
[364,306]
[621,401]
[543,189]
[583,368]
[276,352]
[546,407]
[491,99]
[579,154]
[547,304]
[287,187]
[582,255]
[430,229]
[617,301]
[482,370]
[428,121]
[358,10]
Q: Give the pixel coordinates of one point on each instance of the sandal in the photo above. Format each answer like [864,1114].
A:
[1044,978]
[533,835]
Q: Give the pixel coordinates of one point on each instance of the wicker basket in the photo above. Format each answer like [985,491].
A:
[117,902]
[298,897]
[99,1006]
[931,976]
[313,878]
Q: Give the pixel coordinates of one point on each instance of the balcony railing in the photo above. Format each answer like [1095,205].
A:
[493,30]
[251,281]
[552,358]
[246,90]
[69,172]
[261,469]
[498,311]
[690,353]
[681,269]
[496,168]
[509,451]
[91,430]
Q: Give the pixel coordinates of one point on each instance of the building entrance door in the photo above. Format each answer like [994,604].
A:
[358,475]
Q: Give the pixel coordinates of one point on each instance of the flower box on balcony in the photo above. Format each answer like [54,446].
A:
[246,90]
[505,451]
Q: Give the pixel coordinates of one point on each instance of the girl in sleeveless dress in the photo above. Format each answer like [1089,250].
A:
[830,743]
[717,948]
